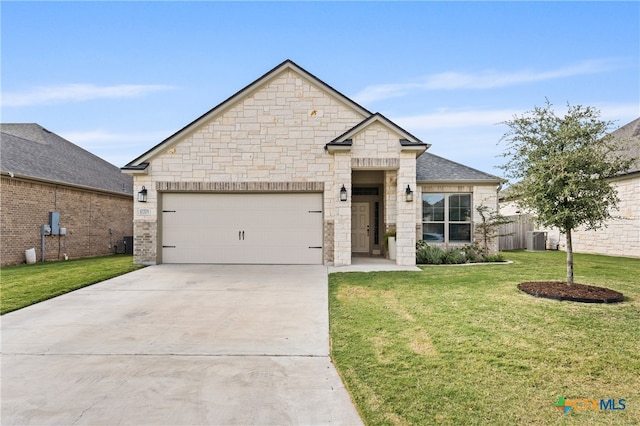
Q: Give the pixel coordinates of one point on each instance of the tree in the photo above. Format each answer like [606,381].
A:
[489,225]
[562,166]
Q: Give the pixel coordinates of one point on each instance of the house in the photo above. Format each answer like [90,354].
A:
[621,235]
[289,170]
[47,180]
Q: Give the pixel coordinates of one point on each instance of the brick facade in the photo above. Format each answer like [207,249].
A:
[87,215]
[480,195]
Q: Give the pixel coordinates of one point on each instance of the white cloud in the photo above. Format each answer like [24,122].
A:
[472,137]
[99,135]
[619,112]
[116,148]
[485,80]
[455,119]
[46,95]
[99,138]
[622,113]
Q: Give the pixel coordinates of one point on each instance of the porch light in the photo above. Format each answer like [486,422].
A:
[343,193]
[142,195]
[408,194]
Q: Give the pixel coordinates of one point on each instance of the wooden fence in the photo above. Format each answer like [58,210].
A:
[515,233]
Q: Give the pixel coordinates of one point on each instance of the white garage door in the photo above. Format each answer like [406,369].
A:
[242,228]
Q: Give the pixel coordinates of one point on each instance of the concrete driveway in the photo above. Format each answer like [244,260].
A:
[177,345]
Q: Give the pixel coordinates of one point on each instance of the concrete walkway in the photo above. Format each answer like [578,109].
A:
[372,264]
[175,345]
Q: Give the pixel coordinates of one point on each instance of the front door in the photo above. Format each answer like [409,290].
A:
[360,227]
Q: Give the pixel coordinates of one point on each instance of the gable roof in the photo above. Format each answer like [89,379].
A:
[30,150]
[139,164]
[432,168]
[408,141]
[628,136]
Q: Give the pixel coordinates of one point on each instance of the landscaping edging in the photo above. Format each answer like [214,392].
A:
[506,262]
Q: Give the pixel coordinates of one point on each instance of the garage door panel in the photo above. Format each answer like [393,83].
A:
[242,228]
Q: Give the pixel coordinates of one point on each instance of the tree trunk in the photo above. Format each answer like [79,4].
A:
[569,258]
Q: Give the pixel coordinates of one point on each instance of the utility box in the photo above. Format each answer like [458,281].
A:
[536,241]
[128,245]
[45,230]
[54,222]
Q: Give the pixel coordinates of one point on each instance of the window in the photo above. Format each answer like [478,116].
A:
[446,218]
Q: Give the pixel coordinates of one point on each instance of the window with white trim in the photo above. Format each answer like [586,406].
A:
[446,217]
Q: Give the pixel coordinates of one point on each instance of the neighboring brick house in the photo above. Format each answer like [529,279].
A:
[621,235]
[43,173]
[289,170]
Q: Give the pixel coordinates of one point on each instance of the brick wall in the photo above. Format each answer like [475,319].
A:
[88,216]
[481,195]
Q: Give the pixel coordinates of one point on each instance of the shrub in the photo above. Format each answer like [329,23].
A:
[453,256]
[471,253]
[494,258]
[429,254]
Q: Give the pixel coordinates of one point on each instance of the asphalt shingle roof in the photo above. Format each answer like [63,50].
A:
[432,168]
[31,150]
[629,138]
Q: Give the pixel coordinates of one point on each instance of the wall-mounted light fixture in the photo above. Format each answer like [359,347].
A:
[343,193]
[408,194]
[142,195]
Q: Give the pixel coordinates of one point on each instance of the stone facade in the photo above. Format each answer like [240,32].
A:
[88,216]
[620,236]
[286,132]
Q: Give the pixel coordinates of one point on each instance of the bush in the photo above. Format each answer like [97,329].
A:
[454,256]
[429,254]
[494,258]
[471,253]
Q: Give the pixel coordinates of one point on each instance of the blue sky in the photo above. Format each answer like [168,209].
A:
[116,78]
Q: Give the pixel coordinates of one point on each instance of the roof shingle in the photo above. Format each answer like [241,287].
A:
[432,168]
[30,150]
[628,136]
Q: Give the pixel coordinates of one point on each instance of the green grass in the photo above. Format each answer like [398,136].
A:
[25,285]
[462,345]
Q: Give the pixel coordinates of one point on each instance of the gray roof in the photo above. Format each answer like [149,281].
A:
[628,136]
[29,150]
[432,168]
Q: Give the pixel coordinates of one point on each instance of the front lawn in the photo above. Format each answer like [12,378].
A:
[25,285]
[462,345]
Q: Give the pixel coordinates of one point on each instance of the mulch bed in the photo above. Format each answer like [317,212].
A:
[576,292]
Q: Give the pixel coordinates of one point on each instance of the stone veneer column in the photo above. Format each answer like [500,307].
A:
[406,211]
[145,223]
[342,211]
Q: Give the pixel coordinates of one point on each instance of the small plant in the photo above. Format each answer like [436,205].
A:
[494,258]
[385,238]
[473,253]
[489,226]
[453,256]
[470,253]
[429,254]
